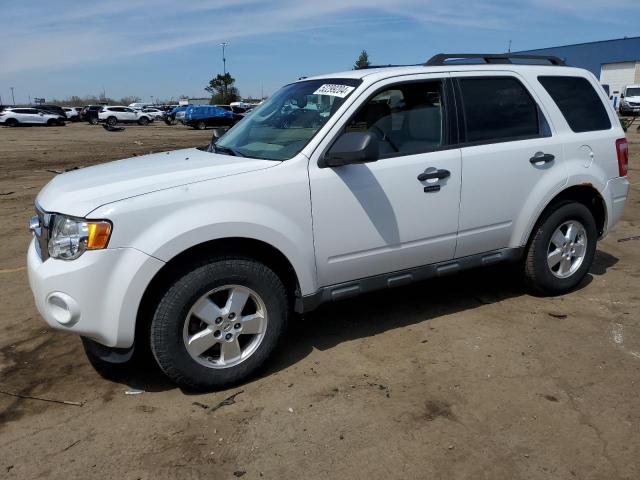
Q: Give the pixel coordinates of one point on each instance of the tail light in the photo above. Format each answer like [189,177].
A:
[622,149]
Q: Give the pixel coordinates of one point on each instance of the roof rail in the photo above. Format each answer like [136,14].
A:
[442,58]
[389,66]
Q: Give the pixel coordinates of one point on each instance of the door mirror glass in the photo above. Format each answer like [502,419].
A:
[353,147]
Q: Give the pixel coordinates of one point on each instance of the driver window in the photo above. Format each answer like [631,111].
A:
[407,118]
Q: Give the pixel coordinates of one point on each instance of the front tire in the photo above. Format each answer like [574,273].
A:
[201,125]
[218,323]
[562,249]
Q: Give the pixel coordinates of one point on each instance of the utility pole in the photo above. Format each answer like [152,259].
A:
[224,68]
[509,49]
[12,97]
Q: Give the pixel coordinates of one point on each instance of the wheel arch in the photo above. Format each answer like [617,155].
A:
[183,261]
[585,194]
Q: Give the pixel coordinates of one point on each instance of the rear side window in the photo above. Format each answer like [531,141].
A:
[579,103]
[498,109]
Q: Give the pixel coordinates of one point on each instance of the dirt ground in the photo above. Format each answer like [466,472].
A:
[465,377]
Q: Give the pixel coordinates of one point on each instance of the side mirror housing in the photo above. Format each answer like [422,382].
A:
[350,148]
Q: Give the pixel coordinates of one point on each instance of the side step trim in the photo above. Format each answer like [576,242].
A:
[400,278]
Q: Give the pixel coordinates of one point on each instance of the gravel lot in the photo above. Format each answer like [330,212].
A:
[466,377]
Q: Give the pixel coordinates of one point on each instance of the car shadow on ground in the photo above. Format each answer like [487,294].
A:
[375,313]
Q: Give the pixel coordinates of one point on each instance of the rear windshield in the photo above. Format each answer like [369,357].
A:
[579,103]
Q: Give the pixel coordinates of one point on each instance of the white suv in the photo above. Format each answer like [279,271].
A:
[13,117]
[336,185]
[113,115]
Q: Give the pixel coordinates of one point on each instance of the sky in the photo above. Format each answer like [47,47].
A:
[166,49]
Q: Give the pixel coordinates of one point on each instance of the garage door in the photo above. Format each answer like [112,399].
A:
[617,75]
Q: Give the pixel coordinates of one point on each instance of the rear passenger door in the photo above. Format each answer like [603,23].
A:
[510,159]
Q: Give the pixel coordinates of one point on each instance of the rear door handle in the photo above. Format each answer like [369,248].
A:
[541,157]
[439,174]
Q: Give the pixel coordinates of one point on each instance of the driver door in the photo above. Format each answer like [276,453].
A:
[376,218]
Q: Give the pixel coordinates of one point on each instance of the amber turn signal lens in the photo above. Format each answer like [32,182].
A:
[98,235]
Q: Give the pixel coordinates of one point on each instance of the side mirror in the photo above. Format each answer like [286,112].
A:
[217,133]
[352,147]
[622,95]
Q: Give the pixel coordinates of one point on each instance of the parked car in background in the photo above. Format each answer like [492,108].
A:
[51,108]
[176,115]
[140,105]
[203,116]
[630,100]
[72,113]
[13,117]
[89,113]
[153,112]
[113,115]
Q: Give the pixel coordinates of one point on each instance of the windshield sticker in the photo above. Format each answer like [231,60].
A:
[334,90]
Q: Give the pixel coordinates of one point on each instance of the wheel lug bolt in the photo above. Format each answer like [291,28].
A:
[232,316]
[218,320]
[228,336]
[216,333]
[237,326]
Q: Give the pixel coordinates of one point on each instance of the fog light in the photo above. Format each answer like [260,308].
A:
[63,308]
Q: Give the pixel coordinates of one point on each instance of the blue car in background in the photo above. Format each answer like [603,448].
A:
[175,115]
[203,116]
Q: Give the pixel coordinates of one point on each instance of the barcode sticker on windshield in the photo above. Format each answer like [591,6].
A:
[334,90]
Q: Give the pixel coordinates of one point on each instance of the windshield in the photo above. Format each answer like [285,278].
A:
[633,92]
[284,124]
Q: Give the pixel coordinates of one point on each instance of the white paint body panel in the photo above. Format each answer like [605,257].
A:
[332,224]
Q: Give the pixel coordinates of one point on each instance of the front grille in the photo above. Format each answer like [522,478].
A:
[43,233]
[634,104]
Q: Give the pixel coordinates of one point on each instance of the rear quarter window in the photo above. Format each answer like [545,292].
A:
[578,101]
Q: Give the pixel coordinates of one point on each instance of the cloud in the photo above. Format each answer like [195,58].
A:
[66,33]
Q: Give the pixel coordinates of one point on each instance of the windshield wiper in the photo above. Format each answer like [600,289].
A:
[226,150]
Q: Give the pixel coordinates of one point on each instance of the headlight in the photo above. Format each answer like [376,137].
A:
[70,237]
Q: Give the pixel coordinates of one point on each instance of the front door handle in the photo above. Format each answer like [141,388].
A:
[541,157]
[439,174]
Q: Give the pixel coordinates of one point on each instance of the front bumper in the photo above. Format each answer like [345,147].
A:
[97,295]
[615,194]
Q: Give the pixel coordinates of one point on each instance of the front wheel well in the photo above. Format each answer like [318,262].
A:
[187,260]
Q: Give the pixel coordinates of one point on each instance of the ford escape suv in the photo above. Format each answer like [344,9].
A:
[336,185]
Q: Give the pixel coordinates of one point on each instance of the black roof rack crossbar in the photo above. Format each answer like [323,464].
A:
[442,58]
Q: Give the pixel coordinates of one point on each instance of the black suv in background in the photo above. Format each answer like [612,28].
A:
[51,108]
[89,113]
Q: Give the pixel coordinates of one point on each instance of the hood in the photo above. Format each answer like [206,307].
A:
[79,192]
[634,99]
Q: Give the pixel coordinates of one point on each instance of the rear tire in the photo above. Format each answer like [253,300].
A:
[51,123]
[201,125]
[144,121]
[93,121]
[112,121]
[12,122]
[243,311]
[561,250]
